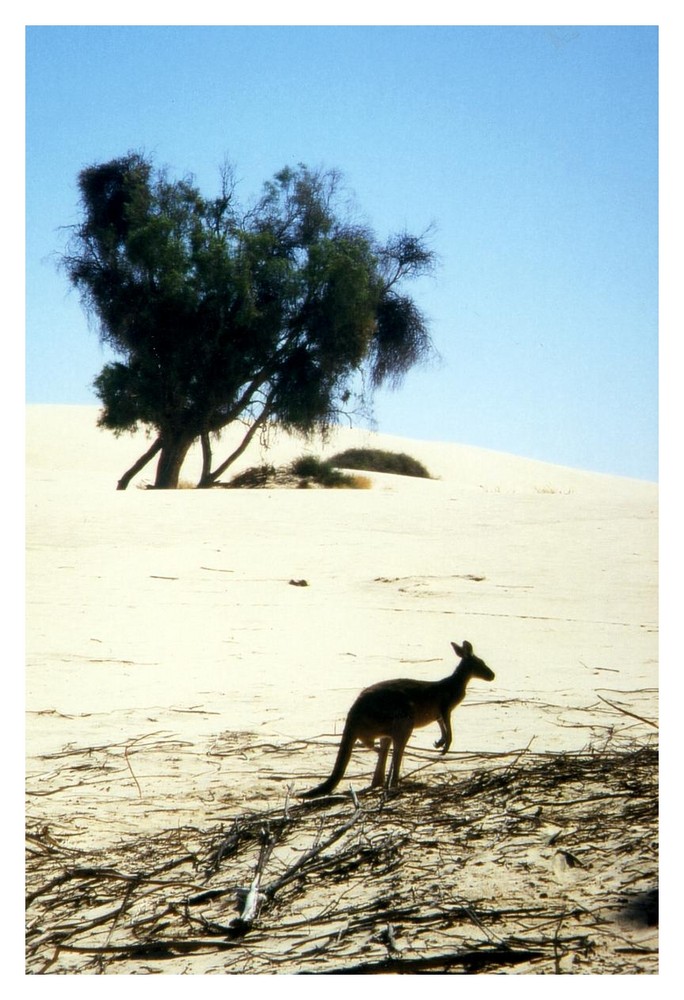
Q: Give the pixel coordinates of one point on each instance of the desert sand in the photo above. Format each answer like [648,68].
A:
[177,678]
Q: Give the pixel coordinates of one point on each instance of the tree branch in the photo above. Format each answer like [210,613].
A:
[206,457]
[211,477]
[140,464]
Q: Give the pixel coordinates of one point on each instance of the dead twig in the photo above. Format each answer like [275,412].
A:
[398,883]
[253,898]
[619,708]
[475,961]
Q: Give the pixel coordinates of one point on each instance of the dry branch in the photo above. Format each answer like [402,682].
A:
[253,898]
[400,883]
[475,960]
[620,708]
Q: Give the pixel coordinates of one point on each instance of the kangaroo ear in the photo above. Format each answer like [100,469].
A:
[457,649]
[467,648]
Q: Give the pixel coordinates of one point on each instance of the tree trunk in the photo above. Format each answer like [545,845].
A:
[206,459]
[209,478]
[140,464]
[173,452]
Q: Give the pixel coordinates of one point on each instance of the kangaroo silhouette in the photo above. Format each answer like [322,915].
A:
[391,710]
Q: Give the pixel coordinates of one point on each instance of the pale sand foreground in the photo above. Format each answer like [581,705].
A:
[167,620]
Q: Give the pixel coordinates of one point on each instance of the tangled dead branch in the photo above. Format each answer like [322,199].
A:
[538,862]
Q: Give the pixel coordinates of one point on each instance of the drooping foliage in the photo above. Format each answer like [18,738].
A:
[219,313]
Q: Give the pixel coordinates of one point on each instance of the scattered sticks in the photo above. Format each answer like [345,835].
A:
[463,871]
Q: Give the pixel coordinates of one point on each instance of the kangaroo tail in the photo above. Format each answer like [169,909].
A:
[343,755]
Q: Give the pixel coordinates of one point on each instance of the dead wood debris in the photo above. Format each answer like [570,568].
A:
[525,862]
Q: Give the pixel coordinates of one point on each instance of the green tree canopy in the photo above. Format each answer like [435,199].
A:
[219,313]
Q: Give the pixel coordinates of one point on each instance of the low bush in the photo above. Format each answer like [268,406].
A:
[305,472]
[312,469]
[354,483]
[256,477]
[377,460]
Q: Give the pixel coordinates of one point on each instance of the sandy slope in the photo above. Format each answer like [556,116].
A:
[166,624]
[143,605]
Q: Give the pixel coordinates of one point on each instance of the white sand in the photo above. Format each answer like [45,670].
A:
[170,662]
[172,611]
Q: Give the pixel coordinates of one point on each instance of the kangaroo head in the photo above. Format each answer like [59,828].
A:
[473,664]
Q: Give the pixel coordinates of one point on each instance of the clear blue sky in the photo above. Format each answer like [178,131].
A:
[532,150]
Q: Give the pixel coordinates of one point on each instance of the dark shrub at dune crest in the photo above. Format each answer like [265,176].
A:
[377,460]
[313,470]
[305,472]
[256,477]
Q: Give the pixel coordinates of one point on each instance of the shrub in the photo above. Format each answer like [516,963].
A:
[309,467]
[253,478]
[377,460]
[312,469]
[303,473]
[356,483]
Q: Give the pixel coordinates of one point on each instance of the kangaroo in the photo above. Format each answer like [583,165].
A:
[391,710]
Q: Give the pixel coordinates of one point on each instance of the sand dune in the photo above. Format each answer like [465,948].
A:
[167,620]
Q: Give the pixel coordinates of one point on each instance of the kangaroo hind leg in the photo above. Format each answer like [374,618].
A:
[399,740]
[382,751]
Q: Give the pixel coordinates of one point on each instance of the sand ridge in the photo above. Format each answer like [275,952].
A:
[166,642]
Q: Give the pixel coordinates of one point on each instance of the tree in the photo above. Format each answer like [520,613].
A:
[274,313]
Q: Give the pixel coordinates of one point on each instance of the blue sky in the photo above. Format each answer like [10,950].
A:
[532,150]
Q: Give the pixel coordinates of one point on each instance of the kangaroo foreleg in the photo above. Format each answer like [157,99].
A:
[444,742]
